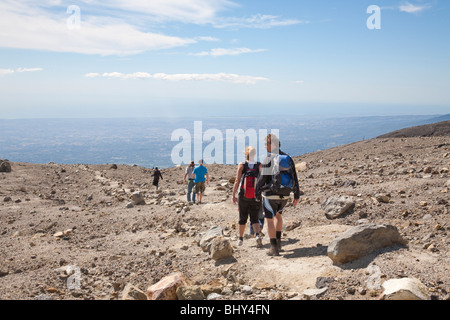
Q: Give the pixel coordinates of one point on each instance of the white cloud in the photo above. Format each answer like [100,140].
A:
[29,69]
[92,75]
[411,8]
[192,11]
[222,77]
[4,72]
[115,27]
[227,52]
[258,21]
[40,29]
[214,77]
[210,39]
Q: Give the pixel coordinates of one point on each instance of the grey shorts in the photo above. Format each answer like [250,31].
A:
[200,187]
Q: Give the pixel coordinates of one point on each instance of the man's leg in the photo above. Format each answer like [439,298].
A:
[278,228]
[271,230]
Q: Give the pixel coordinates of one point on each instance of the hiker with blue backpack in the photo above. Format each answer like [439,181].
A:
[277,180]
[246,177]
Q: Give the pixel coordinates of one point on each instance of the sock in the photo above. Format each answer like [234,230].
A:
[278,234]
[241,238]
[273,242]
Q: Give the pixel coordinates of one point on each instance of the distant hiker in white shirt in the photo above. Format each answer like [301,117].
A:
[191,184]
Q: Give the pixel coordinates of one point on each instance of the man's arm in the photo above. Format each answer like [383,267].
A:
[296,184]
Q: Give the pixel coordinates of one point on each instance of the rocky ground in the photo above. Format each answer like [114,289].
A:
[69,232]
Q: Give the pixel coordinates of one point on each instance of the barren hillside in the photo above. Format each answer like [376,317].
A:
[67,231]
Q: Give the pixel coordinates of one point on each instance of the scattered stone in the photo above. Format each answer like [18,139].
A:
[293,225]
[166,288]
[247,290]
[314,293]
[129,205]
[5,166]
[187,292]
[335,207]
[301,166]
[404,289]
[213,296]
[221,248]
[130,292]
[362,240]
[209,236]
[383,198]
[322,282]
[59,234]
[137,198]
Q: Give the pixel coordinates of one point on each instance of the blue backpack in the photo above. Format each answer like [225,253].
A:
[282,175]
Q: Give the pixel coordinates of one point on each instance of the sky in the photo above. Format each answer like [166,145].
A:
[174,58]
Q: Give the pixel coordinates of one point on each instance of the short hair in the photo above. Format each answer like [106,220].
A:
[200,161]
[273,139]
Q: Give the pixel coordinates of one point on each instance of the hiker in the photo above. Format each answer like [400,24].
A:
[189,175]
[199,174]
[246,176]
[278,178]
[156,175]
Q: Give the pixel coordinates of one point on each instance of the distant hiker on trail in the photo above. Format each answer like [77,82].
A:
[199,178]
[246,177]
[190,176]
[156,175]
[278,178]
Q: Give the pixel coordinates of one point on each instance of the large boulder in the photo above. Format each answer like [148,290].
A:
[166,288]
[405,289]
[362,240]
[5,166]
[335,207]
[221,248]
[209,236]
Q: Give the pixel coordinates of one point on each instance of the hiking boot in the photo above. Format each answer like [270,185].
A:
[240,243]
[279,244]
[258,242]
[273,251]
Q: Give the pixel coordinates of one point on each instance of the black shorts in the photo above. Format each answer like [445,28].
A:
[271,207]
[248,207]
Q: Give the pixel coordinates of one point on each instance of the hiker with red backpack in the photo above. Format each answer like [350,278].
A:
[246,177]
[277,180]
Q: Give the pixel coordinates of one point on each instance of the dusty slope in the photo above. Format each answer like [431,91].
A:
[439,129]
[110,245]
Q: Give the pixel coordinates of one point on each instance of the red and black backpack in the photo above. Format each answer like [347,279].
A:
[248,180]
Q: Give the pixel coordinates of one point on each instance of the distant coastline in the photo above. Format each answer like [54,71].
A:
[147,141]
